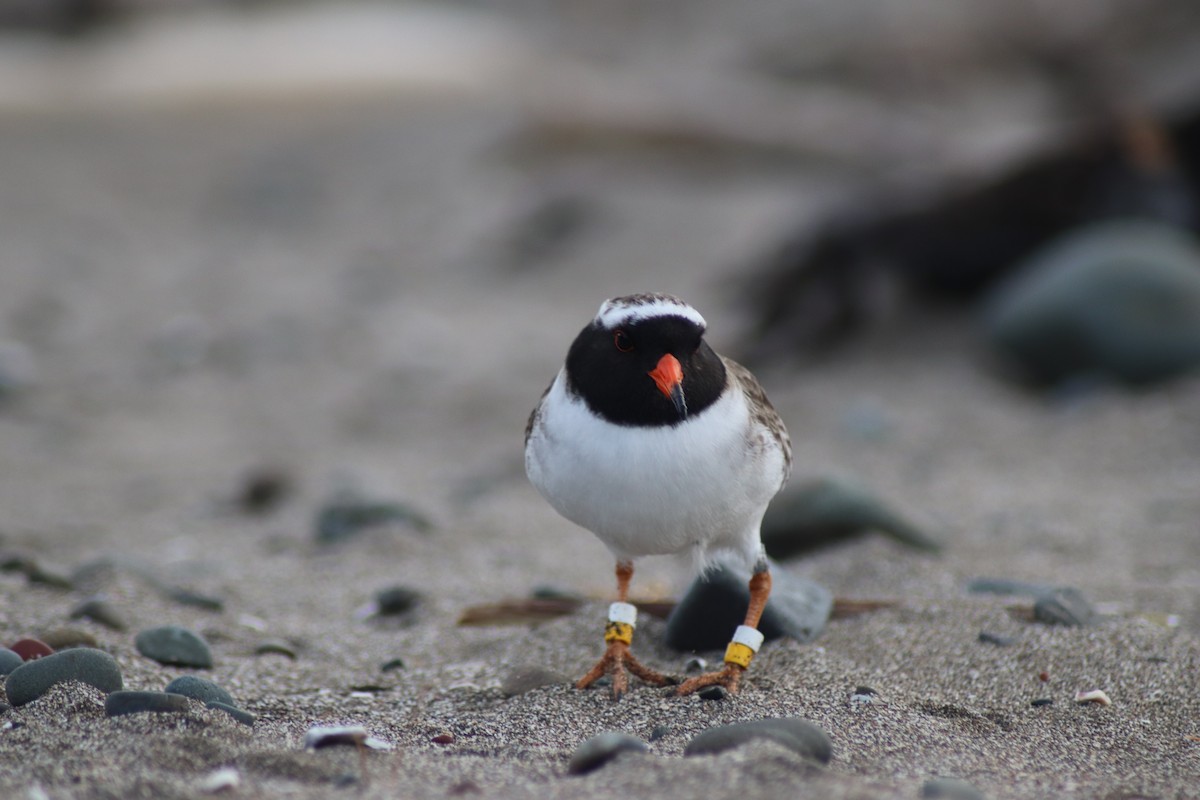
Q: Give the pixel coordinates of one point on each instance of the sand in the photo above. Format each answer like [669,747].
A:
[330,289]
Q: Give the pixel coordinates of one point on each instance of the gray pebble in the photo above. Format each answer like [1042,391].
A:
[827,510]
[175,646]
[392,664]
[9,661]
[244,717]
[950,789]
[121,703]
[275,647]
[987,637]
[798,735]
[715,604]
[199,689]
[345,517]
[1064,606]
[526,679]
[18,370]
[602,748]
[99,610]
[396,600]
[66,637]
[712,693]
[188,597]
[34,678]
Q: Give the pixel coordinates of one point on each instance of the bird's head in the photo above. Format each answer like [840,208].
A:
[643,361]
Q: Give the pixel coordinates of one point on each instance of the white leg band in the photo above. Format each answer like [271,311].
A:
[750,637]
[625,613]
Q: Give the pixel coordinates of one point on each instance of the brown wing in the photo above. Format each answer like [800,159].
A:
[762,413]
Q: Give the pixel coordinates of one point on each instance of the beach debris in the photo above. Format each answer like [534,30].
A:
[63,637]
[120,703]
[798,735]
[817,513]
[520,611]
[240,715]
[601,749]
[347,515]
[84,664]
[98,609]
[715,604]
[1117,300]
[319,737]
[220,780]
[199,689]
[1097,696]
[950,789]
[525,679]
[173,645]
[9,660]
[31,649]
[863,696]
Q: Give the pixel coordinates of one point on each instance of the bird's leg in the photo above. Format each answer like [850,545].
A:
[746,639]
[618,634]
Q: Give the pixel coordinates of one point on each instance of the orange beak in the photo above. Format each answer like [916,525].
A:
[668,376]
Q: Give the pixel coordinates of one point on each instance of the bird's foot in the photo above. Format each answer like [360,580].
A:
[618,662]
[729,677]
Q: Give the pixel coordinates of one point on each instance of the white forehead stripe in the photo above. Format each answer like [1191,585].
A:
[629,310]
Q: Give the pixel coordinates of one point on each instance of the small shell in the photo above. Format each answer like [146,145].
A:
[1094,696]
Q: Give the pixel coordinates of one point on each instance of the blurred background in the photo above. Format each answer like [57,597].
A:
[344,245]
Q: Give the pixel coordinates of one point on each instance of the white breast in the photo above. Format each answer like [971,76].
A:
[699,486]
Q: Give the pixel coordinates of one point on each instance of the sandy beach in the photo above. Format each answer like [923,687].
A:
[348,295]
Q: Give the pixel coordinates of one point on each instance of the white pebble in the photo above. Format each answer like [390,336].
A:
[220,780]
[1094,696]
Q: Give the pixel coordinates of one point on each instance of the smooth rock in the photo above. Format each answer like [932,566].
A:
[242,716]
[220,780]
[1118,299]
[9,660]
[93,667]
[1064,606]
[188,597]
[712,693]
[199,689]
[345,517]
[987,637]
[120,703]
[950,789]
[101,611]
[715,604]
[810,515]
[18,370]
[396,600]
[392,664]
[174,646]
[276,647]
[602,748]
[798,735]
[62,638]
[31,649]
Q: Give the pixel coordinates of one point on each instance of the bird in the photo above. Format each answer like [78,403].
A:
[660,446]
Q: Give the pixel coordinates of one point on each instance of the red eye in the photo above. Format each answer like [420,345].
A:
[622,341]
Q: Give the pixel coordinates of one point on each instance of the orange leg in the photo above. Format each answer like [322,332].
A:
[737,657]
[617,660]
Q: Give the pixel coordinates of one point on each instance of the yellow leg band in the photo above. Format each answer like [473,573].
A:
[618,632]
[739,654]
